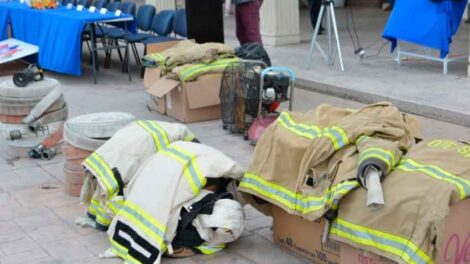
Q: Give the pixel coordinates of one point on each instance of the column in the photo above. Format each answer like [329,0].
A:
[161,4]
[280,22]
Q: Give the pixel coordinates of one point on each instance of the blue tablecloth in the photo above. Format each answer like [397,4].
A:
[57,32]
[424,22]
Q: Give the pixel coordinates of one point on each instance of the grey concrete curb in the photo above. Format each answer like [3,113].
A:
[408,106]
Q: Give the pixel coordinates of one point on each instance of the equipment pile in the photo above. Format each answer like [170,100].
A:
[333,163]
[32,116]
[157,190]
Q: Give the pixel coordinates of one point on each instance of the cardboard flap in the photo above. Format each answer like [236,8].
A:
[162,87]
[151,76]
[204,92]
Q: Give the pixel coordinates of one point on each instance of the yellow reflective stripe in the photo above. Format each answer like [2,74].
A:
[401,247]
[193,70]
[115,205]
[123,253]
[191,170]
[208,250]
[158,57]
[161,131]
[384,155]
[159,135]
[335,134]
[362,139]
[145,222]
[461,184]
[105,173]
[292,200]
[310,132]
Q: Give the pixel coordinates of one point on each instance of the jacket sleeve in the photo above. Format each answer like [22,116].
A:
[377,152]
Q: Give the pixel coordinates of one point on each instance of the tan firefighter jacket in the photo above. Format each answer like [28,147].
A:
[147,222]
[418,193]
[305,163]
[187,52]
[115,163]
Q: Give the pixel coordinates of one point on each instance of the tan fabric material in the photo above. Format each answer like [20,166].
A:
[430,178]
[188,52]
[313,169]
[163,184]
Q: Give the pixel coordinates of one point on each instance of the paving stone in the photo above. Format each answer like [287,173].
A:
[223,257]
[66,251]
[47,195]
[258,223]
[208,129]
[50,233]
[31,256]
[259,250]
[31,222]
[266,233]
[17,211]
[251,212]
[68,213]
[56,170]
[7,200]
[18,246]
[24,178]
[96,260]
[94,238]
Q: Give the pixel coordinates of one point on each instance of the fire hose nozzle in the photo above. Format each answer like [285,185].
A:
[48,154]
[15,134]
[36,152]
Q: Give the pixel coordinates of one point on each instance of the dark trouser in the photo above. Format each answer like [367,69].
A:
[315,6]
[248,21]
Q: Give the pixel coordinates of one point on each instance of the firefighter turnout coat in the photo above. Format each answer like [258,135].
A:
[147,222]
[115,163]
[305,163]
[427,181]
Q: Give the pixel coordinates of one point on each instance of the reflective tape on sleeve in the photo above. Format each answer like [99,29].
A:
[103,172]
[387,156]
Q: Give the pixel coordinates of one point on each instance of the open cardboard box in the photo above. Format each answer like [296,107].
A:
[187,102]
[304,238]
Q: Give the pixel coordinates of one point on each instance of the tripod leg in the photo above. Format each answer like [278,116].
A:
[328,29]
[315,36]
[338,45]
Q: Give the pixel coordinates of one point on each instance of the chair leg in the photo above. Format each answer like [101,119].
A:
[142,68]
[118,50]
[136,54]
[124,64]
[89,49]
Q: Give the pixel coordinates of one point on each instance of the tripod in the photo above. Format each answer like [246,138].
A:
[330,58]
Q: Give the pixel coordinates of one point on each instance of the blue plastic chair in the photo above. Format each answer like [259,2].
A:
[66,2]
[180,26]
[99,4]
[82,2]
[113,6]
[162,26]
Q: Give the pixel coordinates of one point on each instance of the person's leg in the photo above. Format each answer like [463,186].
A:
[248,22]
[315,6]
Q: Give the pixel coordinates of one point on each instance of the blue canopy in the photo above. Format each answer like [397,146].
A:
[424,22]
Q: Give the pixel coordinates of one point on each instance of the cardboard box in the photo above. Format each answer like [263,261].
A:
[159,47]
[154,103]
[190,101]
[455,249]
[303,237]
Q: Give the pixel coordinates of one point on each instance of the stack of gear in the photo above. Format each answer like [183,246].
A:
[244,95]
[306,162]
[32,117]
[112,166]
[166,209]
[83,135]
[187,60]
[427,181]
